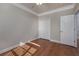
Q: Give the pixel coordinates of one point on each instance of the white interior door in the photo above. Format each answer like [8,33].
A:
[67,30]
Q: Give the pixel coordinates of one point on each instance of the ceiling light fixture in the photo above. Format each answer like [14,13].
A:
[39,3]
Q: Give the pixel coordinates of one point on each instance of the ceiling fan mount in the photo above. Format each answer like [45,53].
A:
[39,3]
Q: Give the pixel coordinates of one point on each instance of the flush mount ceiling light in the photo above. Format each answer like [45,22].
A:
[39,3]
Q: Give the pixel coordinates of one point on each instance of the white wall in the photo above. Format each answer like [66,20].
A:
[55,27]
[16,26]
[44,27]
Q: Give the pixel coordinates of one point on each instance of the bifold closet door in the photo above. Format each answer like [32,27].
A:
[67,30]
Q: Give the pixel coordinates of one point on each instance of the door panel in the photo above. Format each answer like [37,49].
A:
[67,29]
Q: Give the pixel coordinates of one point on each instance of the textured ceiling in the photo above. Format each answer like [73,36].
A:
[44,7]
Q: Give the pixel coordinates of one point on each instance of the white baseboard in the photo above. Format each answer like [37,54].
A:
[55,41]
[60,42]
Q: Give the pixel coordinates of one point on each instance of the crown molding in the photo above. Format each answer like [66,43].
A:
[58,10]
[24,8]
[45,13]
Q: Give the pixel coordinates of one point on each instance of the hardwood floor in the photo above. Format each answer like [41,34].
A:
[43,47]
[56,49]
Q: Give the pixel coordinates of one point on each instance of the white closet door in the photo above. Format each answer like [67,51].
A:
[67,33]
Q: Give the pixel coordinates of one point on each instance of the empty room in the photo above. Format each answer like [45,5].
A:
[39,29]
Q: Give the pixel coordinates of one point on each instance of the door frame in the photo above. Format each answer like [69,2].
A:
[75,33]
[76,26]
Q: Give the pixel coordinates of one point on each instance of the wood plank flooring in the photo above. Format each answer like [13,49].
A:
[43,47]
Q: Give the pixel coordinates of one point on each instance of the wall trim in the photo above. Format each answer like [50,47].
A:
[24,8]
[55,41]
[58,10]
[45,13]
[60,42]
